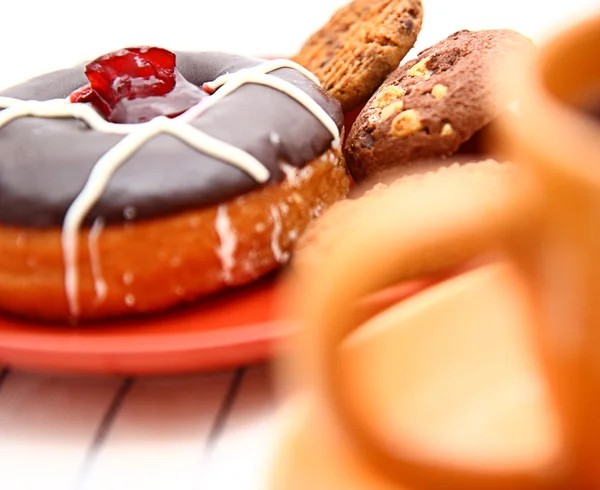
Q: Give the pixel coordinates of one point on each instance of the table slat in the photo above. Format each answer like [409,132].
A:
[159,435]
[4,370]
[47,425]
[242,453]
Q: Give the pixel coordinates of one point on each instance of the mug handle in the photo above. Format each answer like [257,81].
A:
[375,250]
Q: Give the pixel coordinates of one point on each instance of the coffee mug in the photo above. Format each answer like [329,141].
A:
[549,230]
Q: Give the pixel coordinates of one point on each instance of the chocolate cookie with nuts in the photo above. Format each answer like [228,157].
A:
[360,46]
[431,105]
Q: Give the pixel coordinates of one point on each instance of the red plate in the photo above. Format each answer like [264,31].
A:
[226,330]
[239,327]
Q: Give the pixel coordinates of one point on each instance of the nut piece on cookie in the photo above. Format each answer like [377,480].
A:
[449,92]
[420,70]
[447,130]
[439,91]
[389,95]
[392,109]
[406,123]
[360,46]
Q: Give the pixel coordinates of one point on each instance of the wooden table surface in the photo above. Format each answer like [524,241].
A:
[204,431]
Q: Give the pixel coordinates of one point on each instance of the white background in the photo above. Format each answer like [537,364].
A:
[40,36]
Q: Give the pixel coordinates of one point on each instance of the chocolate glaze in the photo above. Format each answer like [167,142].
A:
[44,163]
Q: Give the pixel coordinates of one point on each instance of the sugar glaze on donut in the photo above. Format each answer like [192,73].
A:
[137,135]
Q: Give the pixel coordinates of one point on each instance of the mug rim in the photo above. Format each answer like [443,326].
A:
[552,130]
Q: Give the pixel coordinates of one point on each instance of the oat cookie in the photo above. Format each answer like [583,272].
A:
[431,105]
[361,44]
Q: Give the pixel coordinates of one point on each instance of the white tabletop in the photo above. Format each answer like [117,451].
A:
[202,431]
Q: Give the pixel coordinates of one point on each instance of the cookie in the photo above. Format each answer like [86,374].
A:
[360,46]
[429,106]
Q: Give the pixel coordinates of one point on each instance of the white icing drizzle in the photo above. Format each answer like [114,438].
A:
[128,279]
[139,134]
[274,138]
[280,255]
[99,283]
[266,67]
[228,240]
[258,75]
[113,159]
[21,240]
[129,213]
[60,108]
[295,176]
[249,76]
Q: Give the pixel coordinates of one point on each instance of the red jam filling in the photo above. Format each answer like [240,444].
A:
[135,85]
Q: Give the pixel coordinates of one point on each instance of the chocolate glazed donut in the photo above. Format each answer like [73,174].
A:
[93,227]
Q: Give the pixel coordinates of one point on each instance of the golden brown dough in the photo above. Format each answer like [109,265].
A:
[155,264]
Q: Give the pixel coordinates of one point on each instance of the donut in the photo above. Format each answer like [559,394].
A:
[429,106]
[167,177]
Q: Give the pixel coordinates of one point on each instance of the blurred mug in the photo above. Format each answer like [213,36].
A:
[550,230]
